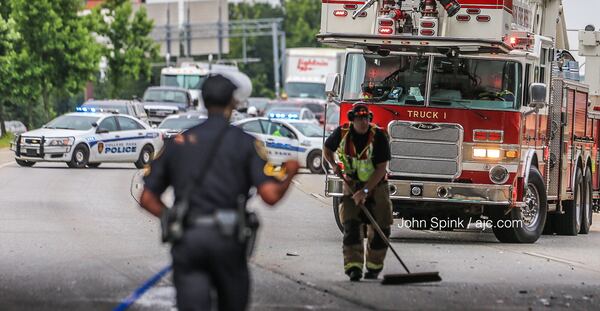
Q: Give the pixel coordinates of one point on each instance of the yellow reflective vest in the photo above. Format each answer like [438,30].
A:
[355,163]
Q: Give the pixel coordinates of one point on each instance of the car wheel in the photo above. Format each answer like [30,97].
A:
[587,203]
[25,163]
[314,161]
[569,223]
[93,165]
[80,157]
[146,156]
[336,212]
[525,224]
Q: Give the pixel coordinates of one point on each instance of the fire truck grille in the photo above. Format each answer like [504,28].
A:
[425,149]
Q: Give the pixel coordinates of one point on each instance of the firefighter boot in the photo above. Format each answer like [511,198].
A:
[372,274]
[354,273]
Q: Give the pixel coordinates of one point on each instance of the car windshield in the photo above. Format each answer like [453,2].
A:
[190,82]
[394,79]
[70,122]
[166,96]
[475,83]
[305,90]
[107,107]
[309,129]
[180,123]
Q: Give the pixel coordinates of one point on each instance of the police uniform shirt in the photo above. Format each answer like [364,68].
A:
[381,147]
[240,163]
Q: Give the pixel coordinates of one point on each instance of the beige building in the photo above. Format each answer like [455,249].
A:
[197,31]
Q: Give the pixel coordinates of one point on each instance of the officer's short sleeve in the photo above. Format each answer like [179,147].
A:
[333,141]
[156,176]
[258,164]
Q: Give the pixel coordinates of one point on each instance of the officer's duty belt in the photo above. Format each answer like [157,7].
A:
[202,221]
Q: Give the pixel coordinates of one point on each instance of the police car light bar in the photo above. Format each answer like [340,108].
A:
[85,109]
[290,116]
[90,109]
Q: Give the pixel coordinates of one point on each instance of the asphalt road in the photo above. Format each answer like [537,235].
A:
[76,239]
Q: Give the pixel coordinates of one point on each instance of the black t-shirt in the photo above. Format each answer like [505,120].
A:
[238,165]
[381,146]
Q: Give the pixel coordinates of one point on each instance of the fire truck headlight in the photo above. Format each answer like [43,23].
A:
[499,174]
[479,153]
[483,153]
[493,153]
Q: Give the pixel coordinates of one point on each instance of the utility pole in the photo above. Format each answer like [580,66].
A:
[220,25]
[275,34]
[180,21]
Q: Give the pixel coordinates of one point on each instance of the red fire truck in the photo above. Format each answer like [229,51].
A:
[485,119]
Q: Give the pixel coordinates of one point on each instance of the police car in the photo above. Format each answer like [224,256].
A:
[83,139]
[288,139]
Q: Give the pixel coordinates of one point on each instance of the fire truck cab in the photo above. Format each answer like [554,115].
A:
[483,107]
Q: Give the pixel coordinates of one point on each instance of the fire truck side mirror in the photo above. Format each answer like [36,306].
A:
[332,85]
[537,95]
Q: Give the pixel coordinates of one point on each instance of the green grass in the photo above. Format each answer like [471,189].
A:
[6,140]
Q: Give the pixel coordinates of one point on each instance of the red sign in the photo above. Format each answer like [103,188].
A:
[309,64]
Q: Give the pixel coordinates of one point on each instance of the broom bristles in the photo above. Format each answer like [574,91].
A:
[406,278]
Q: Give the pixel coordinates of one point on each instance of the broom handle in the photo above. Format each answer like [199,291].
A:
[376,226]
[382,235]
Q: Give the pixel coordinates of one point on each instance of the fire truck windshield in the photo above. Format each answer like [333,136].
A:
[457,82]
[475,83]
[397,79]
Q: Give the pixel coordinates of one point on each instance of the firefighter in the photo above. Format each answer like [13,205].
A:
[364,152]
[210,255]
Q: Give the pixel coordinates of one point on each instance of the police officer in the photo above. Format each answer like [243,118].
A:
[364,151]
[206,258]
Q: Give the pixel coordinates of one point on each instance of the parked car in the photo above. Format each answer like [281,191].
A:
[88,139]
[179,123]
[15,127]
[288,139]
[162,101]
[133,108]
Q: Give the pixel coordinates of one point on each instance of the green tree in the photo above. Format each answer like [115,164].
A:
[129,50]
[8,37]
[260,72]
[302,22]
[61,52]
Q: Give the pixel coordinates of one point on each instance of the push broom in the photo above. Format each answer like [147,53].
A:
[401,278]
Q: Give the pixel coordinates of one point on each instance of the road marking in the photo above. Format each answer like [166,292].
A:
[127,302]
[6,164]
[573,263]
[318,196]
[297,183]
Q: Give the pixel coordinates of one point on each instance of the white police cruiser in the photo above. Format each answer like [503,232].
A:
[287,139]
[83,139]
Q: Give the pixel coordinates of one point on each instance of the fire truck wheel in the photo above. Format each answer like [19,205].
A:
[25,163]
[336,213]
[525,224]
[587,205]
[569,223]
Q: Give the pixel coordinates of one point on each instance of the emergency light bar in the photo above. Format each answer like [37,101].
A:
[289,116]
[93,110]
